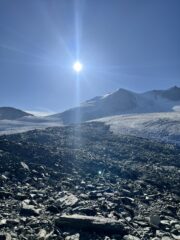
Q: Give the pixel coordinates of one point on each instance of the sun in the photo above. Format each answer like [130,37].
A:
[77,66]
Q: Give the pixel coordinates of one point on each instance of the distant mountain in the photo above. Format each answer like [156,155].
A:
[10,113]
[172,94]
[121,102]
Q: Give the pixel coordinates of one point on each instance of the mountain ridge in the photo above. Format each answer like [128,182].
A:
[119,102]
[122,101]
[11,113]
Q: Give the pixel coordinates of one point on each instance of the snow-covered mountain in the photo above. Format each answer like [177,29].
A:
[10,113]
[153,114]
[123,102]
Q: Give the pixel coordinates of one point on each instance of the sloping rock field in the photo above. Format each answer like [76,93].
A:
[84,182]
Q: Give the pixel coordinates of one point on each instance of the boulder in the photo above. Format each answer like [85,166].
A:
[73,237]
[68,200]
[25,166]
[29,210]
[154,220]
[5,236]
[130,237]
[89,223]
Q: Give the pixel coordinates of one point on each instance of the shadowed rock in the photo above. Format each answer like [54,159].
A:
[29,210]
[89,223]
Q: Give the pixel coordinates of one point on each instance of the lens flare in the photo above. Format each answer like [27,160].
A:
[77,66]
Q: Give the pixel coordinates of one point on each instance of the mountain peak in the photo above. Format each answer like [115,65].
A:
[174,88]
[122,90]
[123,101]
[172,93]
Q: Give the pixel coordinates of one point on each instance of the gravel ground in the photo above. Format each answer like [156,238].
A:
[84,182]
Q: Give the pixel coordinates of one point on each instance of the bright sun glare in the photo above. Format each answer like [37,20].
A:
[77,66]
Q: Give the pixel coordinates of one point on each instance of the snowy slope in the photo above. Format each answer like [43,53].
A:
[151,114]
[123,102]
[25,124]
[160,126]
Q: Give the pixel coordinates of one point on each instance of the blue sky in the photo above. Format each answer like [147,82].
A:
[121,43]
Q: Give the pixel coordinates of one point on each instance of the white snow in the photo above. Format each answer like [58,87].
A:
[161,126]
[148,115]
[26,124]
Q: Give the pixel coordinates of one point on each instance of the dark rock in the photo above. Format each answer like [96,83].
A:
[85,210]
[53,209]
[5,194]
[154,220]
[21,196]
[94,224]
[12,222]
[177,237]
[29,210]
[5,236]
[127,200]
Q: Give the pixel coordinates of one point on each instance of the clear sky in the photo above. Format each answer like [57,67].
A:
[133,44]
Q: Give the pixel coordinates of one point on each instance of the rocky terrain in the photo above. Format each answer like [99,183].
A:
[85,182]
